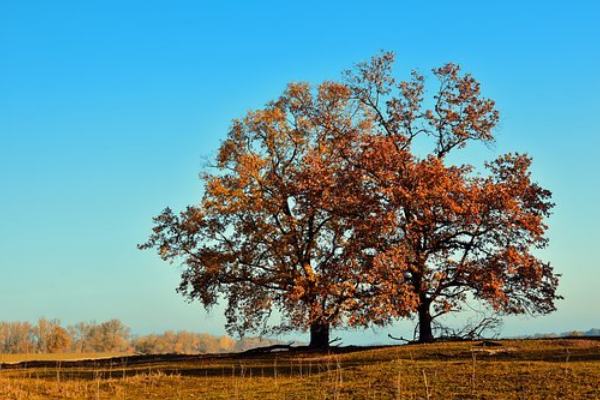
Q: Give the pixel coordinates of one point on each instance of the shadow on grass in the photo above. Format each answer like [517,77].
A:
[302,363]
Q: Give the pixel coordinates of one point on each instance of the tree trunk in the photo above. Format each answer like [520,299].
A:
[425,332]
[319,335]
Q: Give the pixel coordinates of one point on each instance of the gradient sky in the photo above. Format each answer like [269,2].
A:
[107,109]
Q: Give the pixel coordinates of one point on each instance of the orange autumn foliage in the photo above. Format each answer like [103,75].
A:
[433,231]
[318,206]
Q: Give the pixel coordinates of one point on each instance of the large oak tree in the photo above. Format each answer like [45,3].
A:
[319,206]
[435,233]
[265,236]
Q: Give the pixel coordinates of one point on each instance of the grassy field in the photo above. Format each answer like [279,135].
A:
[564,368]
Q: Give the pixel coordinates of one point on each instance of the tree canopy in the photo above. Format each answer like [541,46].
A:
[324,206]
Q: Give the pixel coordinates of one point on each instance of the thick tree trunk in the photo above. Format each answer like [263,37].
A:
[319,335]
[425,332]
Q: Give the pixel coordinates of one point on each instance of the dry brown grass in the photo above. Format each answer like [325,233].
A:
[536,369]
[17,358]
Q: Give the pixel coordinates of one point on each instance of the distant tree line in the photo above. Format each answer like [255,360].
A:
[49,336]
[590,332]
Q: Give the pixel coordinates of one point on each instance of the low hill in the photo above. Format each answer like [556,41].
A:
[559,368]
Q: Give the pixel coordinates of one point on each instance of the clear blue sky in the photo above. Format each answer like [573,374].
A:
[107,109]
